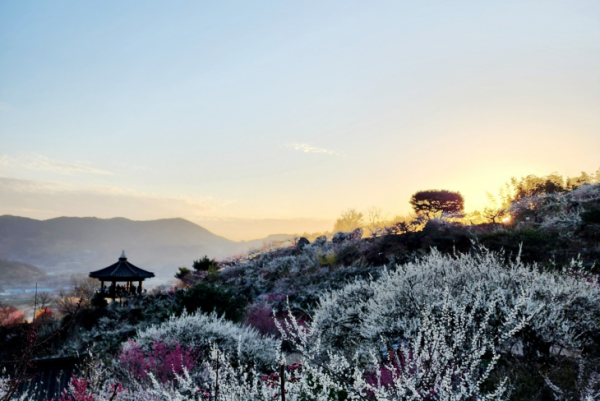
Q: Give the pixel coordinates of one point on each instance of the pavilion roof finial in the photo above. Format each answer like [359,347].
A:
[123,255]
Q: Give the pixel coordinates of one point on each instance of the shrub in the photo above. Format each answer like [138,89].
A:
[198,331]
[591,216]
[260,316]
[445,237]
[163,360]
[298,274]
[98,301]
[208,298]
[558,212]
[444,361]
[205,264]
[327,259]
[349,220]
[79,391]
[532,245]
[43,314]
[10,316]
[184,274]
[564,308]
[94,382]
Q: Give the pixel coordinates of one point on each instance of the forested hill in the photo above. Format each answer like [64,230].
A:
[84,244]
[11,270]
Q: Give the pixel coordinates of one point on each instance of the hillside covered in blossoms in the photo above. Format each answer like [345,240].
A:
[497,304]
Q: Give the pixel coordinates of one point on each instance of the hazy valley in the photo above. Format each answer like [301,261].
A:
[69,245]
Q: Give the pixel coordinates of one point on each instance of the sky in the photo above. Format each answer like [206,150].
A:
[260,117]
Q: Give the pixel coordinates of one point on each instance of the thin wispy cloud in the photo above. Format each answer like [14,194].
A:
[14,185]
[307,148]
[43,163]
[82,194]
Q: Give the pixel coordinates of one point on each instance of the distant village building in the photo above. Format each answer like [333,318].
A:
[121,272]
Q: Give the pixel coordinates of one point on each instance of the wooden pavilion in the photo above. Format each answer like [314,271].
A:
[122,271]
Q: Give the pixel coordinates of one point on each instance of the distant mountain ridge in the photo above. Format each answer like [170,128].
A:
[84,244]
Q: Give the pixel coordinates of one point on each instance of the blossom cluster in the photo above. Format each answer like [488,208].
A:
[10,316]
[562,308]
[198,332]
[559,211]
[162,359]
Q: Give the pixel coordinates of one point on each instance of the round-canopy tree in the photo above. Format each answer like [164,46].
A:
[428,203]
[349,220]
[205,264]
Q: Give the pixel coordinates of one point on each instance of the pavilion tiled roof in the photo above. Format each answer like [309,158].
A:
[122,270]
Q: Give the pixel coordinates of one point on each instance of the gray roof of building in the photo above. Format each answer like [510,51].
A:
[122,270]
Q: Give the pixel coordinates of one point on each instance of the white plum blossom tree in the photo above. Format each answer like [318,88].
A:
[563,307]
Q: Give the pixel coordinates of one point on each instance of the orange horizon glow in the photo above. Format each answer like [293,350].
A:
[275,117]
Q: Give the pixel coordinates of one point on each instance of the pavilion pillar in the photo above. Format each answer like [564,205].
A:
[113,290]
[140,287]
[102,287]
